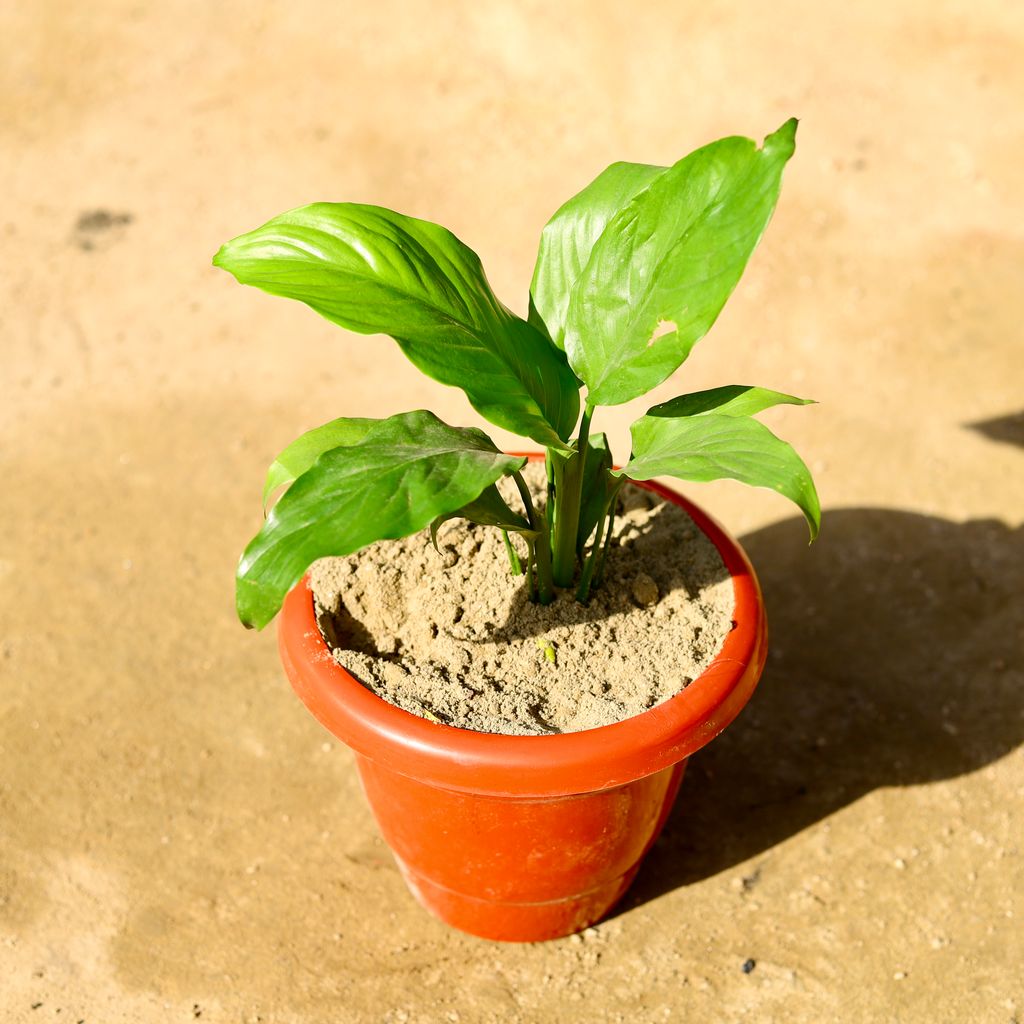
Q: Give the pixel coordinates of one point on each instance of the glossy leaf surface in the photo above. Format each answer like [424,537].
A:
[305,450]
[711,446]
[568,239]
[375,271]
[403,474]
[665,265]
[732,400]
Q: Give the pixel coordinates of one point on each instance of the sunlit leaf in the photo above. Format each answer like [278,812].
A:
[665,265]
[711,446]
[403,474]
[732,400]
[568,238]
[304,451]
[373,271]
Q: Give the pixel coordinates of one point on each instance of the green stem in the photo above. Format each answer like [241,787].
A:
[531,579]
[545,584]
[610,512]
[583,590]
[513,555]
[549,470]
[524,493]
[568,495]
[539,545]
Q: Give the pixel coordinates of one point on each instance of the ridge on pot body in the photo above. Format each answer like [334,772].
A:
[523,838]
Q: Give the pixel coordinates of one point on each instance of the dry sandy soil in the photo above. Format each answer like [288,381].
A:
[179,840]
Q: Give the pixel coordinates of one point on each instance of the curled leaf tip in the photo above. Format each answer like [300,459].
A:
[220,256]
[784,139]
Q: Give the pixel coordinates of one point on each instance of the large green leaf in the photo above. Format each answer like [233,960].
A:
[732,400]
[405,472]
[305,450]
[711,446]
[665,265]
[375,271]
[568,238]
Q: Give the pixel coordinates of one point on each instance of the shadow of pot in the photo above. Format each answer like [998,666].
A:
[895,662]
[524,838]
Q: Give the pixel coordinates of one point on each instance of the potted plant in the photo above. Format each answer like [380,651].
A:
[525,837]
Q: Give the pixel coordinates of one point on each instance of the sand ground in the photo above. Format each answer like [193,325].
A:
[179,840]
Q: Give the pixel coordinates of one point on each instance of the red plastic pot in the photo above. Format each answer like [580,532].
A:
[523,838]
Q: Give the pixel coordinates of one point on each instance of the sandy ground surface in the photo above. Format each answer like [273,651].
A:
[180,840]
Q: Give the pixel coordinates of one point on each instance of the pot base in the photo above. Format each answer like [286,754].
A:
[517,922]
[518,869]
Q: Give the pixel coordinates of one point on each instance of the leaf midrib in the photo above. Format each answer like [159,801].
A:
[340,474]
[523,372]
[619,355]
[333,269]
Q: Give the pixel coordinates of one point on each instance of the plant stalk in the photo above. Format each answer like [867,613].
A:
[531,579]
[596,550]
[549,472]
[513,555]
[545,583]
[610,512]
[568,495]
[540,547]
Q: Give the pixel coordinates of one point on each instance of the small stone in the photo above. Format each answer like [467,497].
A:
[645,590]
[899,975]
[748,965]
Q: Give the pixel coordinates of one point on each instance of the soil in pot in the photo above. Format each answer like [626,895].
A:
[452,637]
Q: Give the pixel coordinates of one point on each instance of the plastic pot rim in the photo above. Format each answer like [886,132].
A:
[560,764]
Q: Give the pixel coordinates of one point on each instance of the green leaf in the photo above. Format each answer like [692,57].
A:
[711,446]
[733,400]
[405,472]
[488,509]
[665,265]
[375,271]
[304,451]
[597,487]
[568,238]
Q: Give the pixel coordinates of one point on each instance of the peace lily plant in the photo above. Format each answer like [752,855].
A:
[631,274]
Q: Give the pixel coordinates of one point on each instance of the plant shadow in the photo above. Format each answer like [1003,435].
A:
[1005,429]
[895,660]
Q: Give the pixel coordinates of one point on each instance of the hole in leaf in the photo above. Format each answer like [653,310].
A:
[662,328]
